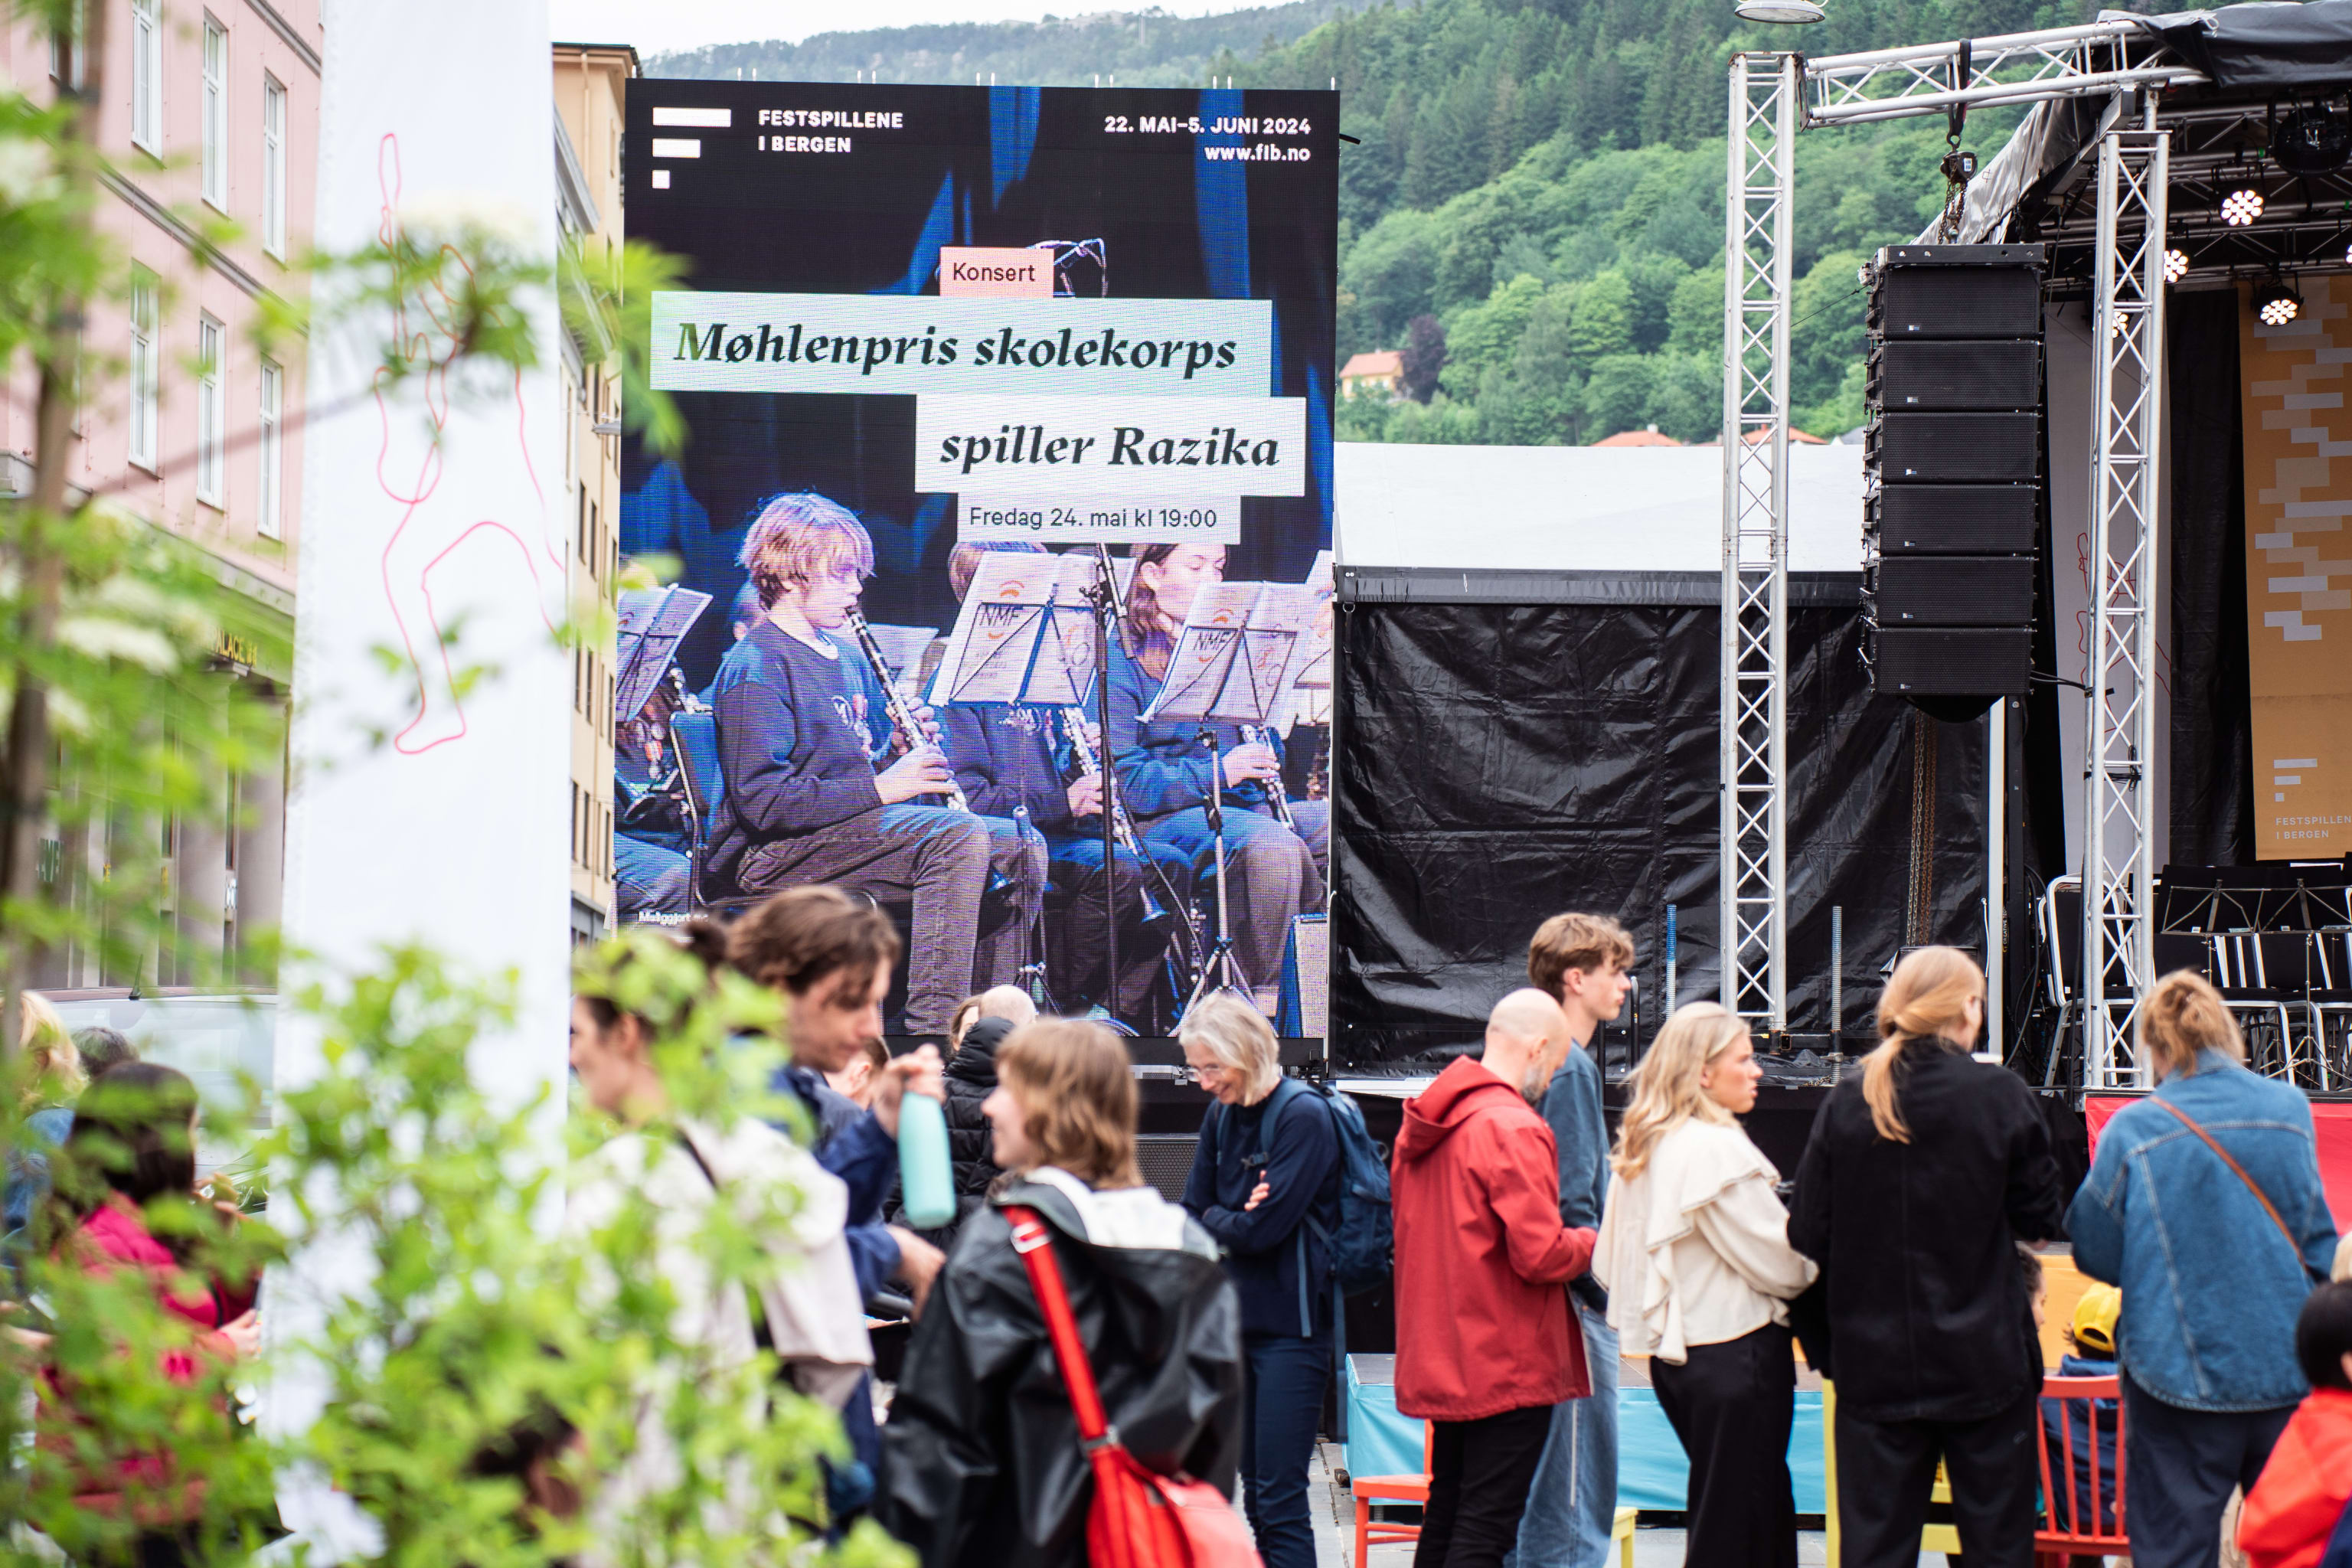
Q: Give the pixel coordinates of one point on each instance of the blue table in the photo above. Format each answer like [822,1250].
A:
[1652,1472]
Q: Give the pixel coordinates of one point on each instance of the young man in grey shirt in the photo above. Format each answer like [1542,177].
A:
[1580,961]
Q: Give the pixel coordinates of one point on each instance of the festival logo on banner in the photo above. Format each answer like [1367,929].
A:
[2298,441]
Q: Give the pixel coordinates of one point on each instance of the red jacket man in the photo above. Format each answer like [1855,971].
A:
[1485,1347]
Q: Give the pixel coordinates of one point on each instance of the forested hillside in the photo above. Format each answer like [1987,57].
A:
[1536,191]
[1141,48]
[1544,182]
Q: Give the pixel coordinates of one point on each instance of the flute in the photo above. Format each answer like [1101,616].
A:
[1075,729]
[902,716]
[1277,796]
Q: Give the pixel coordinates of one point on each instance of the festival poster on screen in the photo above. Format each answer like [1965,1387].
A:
[1059,316]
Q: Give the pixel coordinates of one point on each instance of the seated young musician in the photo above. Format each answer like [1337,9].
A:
[1005,756]
[1165,773]
[802,724]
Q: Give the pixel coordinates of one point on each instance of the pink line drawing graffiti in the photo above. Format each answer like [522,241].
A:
[433,525]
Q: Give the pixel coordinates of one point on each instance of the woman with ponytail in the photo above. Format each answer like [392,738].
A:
[1921,1176]
[1694,1251]
[2204,1205]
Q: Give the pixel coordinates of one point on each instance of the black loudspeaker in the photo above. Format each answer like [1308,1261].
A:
[1952,589]
[1951,661]
[1957,291]
[1952,459]
[1930,448]
[1935,376]
[1953,520]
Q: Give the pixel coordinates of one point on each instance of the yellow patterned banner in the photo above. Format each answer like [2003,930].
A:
[2299,571]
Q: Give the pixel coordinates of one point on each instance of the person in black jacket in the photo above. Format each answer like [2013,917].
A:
[971,1079]
[1919,1181]
[1265,1184]
[982,1464]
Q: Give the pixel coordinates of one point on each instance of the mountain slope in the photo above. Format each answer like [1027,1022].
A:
[1142,48]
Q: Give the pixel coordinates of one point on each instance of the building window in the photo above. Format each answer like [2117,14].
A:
[215,114]
[212,412]
[147,75]
[146,367]
[71,74]
[273,166]
[271,520]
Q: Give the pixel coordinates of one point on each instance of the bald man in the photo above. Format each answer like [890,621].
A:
[1484,1348]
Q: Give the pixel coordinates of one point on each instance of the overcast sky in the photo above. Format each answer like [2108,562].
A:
[658,26]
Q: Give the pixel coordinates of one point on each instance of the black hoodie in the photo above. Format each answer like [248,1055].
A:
[970,1074]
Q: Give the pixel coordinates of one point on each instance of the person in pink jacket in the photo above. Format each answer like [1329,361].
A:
[1484,1348]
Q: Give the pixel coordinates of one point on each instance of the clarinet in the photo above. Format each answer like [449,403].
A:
[1275,795]
[1073,729]
[900,714]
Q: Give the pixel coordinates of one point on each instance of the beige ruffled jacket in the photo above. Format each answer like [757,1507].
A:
[1694,1250]
[810,1296]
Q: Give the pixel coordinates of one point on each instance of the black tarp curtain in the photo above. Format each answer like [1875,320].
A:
[2213,812]
[1515,744]
[1500,758]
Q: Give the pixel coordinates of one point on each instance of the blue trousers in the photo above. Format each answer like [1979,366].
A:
[1284,1399]
[1277,873]
[647,878]
[1574,1504]
[2180,1468]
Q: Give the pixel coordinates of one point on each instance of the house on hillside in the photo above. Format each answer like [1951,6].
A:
[1643,438]
[1381,372]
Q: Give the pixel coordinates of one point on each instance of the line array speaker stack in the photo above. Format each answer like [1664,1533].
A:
[1952,470]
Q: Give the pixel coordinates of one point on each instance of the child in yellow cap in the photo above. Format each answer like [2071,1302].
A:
[2067,1427]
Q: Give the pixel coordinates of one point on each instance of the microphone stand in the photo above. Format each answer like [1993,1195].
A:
[1103,599]
[1111,619]
[1219,961]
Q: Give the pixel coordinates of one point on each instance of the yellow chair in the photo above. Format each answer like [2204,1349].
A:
[1622,1533]
[1941,1538]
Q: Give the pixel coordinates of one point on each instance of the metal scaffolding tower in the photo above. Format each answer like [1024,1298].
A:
[1754,816]
[1768,92]
[2119,743]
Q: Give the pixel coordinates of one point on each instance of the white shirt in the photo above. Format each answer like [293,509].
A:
[1694,1249]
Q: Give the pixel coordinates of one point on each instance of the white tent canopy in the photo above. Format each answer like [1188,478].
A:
[1577,508]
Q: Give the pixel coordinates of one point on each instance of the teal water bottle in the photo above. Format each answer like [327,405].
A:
[924,1174]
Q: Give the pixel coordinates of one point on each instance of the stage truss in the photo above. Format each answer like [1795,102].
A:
[1769,93]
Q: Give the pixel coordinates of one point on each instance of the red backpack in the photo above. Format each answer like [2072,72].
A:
[1139,1518]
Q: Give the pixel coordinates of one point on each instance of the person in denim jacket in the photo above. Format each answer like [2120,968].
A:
[2214,1264]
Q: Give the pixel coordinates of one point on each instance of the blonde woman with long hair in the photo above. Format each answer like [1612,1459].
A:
[1921,1176]
[2204,1205]
[1694,1250]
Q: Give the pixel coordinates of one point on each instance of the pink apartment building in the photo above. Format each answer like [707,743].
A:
[210,111]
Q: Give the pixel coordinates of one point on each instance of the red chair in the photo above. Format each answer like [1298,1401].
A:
[2069,1533]
[1370,1490]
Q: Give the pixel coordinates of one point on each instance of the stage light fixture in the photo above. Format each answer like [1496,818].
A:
[2311,140]
[1796,11]
[2241,207]
[2276,304]
[2176,266]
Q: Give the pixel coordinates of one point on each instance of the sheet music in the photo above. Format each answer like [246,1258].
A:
[995,636]
[651,622]
[1275,643]
[1307,699]
[1204,654]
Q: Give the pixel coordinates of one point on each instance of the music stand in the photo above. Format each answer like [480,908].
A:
[1234,663]
[652,622]
[1026,637]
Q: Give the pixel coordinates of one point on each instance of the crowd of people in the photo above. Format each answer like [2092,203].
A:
[1531,1249]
